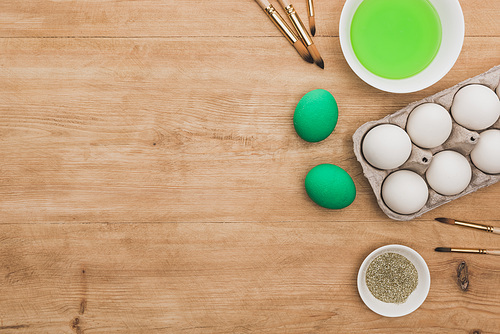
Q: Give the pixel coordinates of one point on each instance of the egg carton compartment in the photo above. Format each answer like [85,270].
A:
[460,140]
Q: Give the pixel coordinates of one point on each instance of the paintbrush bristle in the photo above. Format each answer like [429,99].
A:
[446,220]
[302,50]
[312,25]
[442,249]
[315,55]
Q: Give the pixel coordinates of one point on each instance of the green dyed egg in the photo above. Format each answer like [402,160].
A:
[330,186]
[316,115]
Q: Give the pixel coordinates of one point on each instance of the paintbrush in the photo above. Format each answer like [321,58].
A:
[312,21]
[303,34]
[465,250]
[285,29]
[486,228]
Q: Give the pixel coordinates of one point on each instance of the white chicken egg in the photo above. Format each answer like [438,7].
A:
[405,192]
[429,125]
[386,146]
[475,107]
[486,153]
[449,173]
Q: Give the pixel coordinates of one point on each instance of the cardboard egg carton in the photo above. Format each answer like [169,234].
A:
[461,140]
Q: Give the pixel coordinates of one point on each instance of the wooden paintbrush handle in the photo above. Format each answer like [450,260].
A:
[496,230]
[493,252]
[284,3]
[263,3]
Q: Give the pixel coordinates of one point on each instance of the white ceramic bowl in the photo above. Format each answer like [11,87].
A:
[453,31]
[416,298]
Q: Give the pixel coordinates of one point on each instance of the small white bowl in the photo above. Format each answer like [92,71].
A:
[415,299]
[453,31]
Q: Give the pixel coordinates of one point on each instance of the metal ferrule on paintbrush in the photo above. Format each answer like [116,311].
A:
[298,25]
[281,24]
[285,29]
[302,31]
[468,250]
[312,21]
[472,225]
[486,228]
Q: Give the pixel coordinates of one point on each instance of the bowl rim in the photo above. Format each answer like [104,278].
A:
[425,78]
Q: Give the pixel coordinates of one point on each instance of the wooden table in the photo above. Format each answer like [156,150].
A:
[151,180]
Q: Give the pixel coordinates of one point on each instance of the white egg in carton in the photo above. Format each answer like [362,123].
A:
[461,140]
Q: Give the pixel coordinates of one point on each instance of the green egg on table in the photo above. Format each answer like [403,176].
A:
[330,186]
[316,115]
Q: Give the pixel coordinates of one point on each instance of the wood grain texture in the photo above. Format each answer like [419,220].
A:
[107,130]
[151,180]
[186,18]
[229,278]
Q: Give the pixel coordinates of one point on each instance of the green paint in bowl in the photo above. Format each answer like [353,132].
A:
[395,39]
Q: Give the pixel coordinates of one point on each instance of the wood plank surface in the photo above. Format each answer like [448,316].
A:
[151,180]
[229,278]
[107,130]
[186,18]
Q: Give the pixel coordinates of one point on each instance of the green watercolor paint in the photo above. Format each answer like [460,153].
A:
[395,39]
